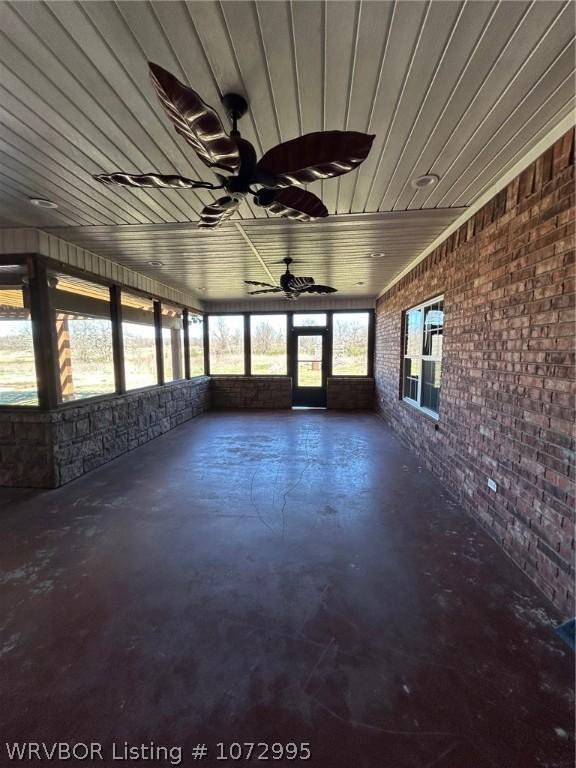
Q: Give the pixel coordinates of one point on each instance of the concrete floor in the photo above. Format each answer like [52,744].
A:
[275,577]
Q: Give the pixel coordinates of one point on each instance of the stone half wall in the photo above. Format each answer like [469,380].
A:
[350,393]
[26,456]
[507,395]
[46,450]
[251,392]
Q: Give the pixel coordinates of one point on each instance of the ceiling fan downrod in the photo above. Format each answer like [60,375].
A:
[236,107]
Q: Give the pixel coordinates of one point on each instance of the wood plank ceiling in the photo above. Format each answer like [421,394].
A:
[335,251]
[459,89]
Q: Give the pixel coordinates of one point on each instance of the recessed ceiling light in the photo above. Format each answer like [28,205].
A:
[376,255]
[428,180]
[203,288]
[41,203]
[155,263]
[360,282]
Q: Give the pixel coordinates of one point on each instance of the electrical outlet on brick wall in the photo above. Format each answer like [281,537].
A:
[492,485]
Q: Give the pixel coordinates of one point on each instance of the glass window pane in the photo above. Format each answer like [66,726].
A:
[139,341]
[226,337]
[315,319]
[309,375]
[196,344]
[310,348]
[433,326]
[411,376]
[84,337]
[268,345]
[350,344]
[172,342]
[412,333]
[431,371]
[18,384]
[309,368]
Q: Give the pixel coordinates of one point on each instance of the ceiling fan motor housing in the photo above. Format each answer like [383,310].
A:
[235,105]
[247,173]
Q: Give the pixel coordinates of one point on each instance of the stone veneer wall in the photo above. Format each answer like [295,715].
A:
[46,450]
[350,393]
[251,392]
[26,457]
[507,397]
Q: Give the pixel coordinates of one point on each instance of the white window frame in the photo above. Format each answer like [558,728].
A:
[423,358]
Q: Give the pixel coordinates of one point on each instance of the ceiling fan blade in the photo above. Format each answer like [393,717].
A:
[293,203]
[297,283]
[318,289]
[255,282]
[268,290]
[195,121]
[150,180]
[214,214]
[313,156]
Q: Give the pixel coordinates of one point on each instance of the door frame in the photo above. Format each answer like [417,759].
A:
[312,397]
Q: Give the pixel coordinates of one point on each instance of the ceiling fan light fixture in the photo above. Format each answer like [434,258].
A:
[155,263]
[423,182]
[41,202]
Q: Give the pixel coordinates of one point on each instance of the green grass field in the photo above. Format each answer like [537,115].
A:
[275,365]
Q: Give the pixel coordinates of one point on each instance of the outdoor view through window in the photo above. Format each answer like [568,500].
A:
[226,339]
[196,343]
[350,344]
[139,341]
[18,371]
[81,313]
[268,345]
[172,342]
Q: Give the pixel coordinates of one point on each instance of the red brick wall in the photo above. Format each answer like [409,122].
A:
[507,389]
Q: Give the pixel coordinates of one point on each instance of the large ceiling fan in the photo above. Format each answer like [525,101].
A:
[291,286]
[271,179]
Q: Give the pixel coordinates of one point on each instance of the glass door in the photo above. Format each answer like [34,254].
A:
[309,375]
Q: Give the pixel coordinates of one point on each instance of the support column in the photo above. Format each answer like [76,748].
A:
[176,351]
[44,334]
[65,378]
[247,347]
[117,338]
[159,353]
[186,344]
[206,345]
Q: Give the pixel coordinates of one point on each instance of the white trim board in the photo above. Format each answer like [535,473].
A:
[28,240]
[304,304]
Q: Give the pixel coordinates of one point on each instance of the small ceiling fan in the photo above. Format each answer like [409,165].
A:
[291,286]
[271,179]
